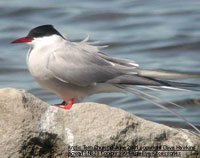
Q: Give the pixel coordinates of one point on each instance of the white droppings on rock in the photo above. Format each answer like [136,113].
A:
[68,135]
[48,122]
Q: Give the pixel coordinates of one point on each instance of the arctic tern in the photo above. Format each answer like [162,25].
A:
[73,70]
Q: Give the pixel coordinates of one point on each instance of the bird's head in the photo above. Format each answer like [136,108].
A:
[40,33]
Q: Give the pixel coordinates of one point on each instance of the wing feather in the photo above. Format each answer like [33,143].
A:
[78,66]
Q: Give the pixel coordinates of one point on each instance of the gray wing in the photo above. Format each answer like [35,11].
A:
[89,47]
[74,65]
[78,66]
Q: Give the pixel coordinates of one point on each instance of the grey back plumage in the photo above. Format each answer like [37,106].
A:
[78,66]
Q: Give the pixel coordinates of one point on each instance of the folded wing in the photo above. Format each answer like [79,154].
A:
[80,67]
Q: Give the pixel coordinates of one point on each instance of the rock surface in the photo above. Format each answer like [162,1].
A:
[32,128]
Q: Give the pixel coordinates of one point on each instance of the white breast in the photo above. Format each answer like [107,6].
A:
[37,58]
[37,65]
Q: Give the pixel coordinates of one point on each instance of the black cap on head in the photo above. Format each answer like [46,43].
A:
[44,30]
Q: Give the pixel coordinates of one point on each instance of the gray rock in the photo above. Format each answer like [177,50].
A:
[32,128]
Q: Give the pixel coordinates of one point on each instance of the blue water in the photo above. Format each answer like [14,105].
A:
[156,34]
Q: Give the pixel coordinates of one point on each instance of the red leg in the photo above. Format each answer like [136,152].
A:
[69,105]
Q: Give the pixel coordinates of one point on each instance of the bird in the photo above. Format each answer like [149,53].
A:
[74,70]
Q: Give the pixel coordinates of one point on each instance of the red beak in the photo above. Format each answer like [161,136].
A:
[22,40]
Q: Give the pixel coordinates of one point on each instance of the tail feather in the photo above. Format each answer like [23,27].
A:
[146,96]
[147,81]
[156,79]
[166,74]
[160,99]
[181,86]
